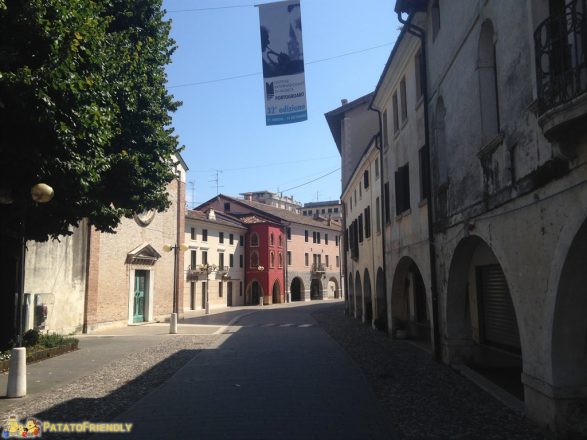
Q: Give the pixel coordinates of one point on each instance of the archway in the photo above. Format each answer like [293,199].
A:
[333,291]
[297,289]
[368,298]
[381,303]
[410,311]
[569,338]
[315,289]
[350,292]
[358,297]
[254,293]
[276,293]
[482,328]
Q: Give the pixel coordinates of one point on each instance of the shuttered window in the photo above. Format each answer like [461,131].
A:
[498,318]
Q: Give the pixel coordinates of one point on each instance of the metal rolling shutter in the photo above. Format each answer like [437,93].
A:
[499,323]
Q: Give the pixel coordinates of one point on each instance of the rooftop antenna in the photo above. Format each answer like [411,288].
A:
[217,180]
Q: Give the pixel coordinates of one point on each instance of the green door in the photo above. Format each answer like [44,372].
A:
[139,299]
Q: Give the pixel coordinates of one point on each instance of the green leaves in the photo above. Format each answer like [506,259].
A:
[84,108]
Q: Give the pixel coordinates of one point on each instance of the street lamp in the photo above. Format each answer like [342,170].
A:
[175,248]
[16,387]
[261,269]
[208,269]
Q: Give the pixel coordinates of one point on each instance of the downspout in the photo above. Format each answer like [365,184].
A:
[287,295]
[421,34]
[379,146]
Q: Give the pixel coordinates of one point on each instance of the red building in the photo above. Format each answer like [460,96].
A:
[264,261]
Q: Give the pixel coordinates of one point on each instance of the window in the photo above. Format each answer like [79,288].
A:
[204,257]
[254,239]
[418,75]
[226,206]
[271,239]
[288,232]
[220,287]
[241,240]
[337,261]
[336,210]
[360,228]
[289,258]
[220,260]
[384,126]
[403,99]
[204,235]
[360,192]
[329,210]
[231,239]
[386,204]
[395,114]
[305,212]
[377,215]
[193,233]
[272,259]
[221,237]
[240,260]
[306,234]
[280,259]
[351,203]
[318,237]
[424,173]
[280,240]
[193,259]
[367,222]
[323,211]
[306,259]
[376,168]
[435,17]
[402,189]
[366,179]
[326,262]
[325,238]
[254,260]
[336,240]
[231,260]
[313,236]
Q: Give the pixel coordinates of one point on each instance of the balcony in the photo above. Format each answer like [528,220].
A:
[561,69]
[318,268]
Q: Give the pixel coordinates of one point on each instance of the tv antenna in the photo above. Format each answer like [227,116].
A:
[217,181]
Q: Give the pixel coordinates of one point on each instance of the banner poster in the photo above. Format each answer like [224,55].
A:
[283,62]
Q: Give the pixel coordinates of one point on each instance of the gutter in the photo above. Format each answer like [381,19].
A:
[421,34]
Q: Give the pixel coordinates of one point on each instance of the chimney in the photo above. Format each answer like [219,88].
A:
[211,214]
[344,101]
[248,196]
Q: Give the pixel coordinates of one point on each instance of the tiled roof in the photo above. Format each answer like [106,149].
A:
[285,215]
[221,218]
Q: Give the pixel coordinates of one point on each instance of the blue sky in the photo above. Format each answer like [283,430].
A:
[222,123]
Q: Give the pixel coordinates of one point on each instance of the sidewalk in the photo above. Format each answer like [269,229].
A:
[123,345]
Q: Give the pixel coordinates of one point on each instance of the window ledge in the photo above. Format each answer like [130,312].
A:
[422,203]
[491,146]
[403,214]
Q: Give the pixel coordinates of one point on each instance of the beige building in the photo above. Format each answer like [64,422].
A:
[399,100]
[326,209]
[274,199]
[92,280]
[214,262]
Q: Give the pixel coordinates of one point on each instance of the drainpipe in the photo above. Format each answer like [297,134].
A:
[421,34]
[285,263]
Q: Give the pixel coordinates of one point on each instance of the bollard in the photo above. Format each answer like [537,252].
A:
[17,373]
[173,324]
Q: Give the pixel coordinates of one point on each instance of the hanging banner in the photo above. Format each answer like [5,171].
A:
[283,62]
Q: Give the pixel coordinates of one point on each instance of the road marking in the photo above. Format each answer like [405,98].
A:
[305,325]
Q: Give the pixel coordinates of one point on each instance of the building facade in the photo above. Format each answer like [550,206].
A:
[214,264]
[326,209]
[274,199]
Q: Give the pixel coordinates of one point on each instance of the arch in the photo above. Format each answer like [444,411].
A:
[481,320]
[381,301]
[297,289]
[569,331]
[358,296]
[254,239]
[276,292]
[368,318]
[280,260]
[254,293]
[333,289]
[280,240]
[316,289]
[254,259]
[350,292]
[409,301]
[488,98]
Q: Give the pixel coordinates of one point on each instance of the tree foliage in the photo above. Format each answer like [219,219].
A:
[83,108]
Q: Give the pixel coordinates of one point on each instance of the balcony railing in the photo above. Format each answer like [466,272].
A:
[560,43]
[318,268]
